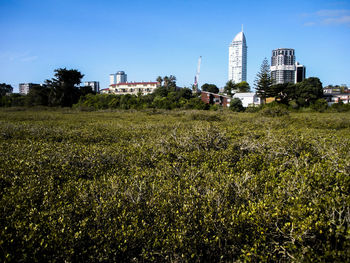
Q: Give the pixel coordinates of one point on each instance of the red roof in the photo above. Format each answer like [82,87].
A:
[134,83]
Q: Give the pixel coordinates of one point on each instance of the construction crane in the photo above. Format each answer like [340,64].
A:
[195,85]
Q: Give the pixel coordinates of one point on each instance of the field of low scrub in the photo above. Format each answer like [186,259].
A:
[174,186]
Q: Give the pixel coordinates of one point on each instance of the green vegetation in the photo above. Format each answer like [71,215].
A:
[263,81]
[174,186]
[231,87]
[210,88]
[4,89]
[236,105]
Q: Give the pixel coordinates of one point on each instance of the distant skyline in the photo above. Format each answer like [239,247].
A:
[151,38]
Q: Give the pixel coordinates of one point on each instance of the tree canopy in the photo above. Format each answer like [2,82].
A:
[229,87]
[38,95]
[64,88]
[5,89]
[242,87]
[303,93]
[210,88]
[308,91]
[232,88]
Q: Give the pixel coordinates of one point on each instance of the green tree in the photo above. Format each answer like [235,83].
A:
[283,93]
[160,81]
[166,81]
[229,87]
[172,81]
[242,87]
[320,105]
[64,89]
[308,91]
[236,105]
[38,95]
[84,90]
[210,88]
[5,89]
[169,85]
[263,81]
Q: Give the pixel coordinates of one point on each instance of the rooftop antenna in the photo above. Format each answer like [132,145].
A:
[242,27]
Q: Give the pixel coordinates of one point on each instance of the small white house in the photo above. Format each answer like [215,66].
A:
[248,99]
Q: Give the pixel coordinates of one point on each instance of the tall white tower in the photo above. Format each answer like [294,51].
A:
[237,65]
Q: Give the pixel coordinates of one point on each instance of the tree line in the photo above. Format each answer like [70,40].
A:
[302,94]
[64,90]
[166,96]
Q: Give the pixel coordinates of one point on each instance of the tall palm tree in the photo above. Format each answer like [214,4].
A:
[166,81]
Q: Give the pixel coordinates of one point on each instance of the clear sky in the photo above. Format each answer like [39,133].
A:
[151,38]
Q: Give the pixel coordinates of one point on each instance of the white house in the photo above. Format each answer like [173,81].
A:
[248,99]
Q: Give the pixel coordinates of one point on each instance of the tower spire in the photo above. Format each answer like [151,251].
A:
[242,27]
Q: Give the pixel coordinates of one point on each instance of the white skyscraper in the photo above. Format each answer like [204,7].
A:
[237,65]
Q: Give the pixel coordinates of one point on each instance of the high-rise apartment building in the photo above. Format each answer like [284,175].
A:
[25,87]
[283,65]
[237,65]
[300,72]
[119,77]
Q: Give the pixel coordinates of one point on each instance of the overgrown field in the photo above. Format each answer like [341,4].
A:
[174,186]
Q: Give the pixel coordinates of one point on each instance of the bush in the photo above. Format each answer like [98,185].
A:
[275,111]
[252,109]
[340,107]
[236,105]
[320,105]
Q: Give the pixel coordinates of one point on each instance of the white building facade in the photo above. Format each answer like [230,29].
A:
[237,65]
[119,77]
[248,99]
[283,66]
[132,88]
[25,87]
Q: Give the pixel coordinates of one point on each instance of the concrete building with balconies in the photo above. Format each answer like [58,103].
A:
[283,66]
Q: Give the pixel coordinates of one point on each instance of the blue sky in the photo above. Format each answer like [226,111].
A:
[151,38]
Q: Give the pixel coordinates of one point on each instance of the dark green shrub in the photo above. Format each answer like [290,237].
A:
[274,111]
[236,105]
[340,107]
[252,109]
[319,105]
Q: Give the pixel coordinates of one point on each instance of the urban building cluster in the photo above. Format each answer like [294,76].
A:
[336,94]
[118,84]
[284,69]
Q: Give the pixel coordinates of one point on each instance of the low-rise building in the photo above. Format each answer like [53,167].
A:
[105,91]
[335,89]
[336,98]
[248,99]
[133,88]
[336,94]
[215,99]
